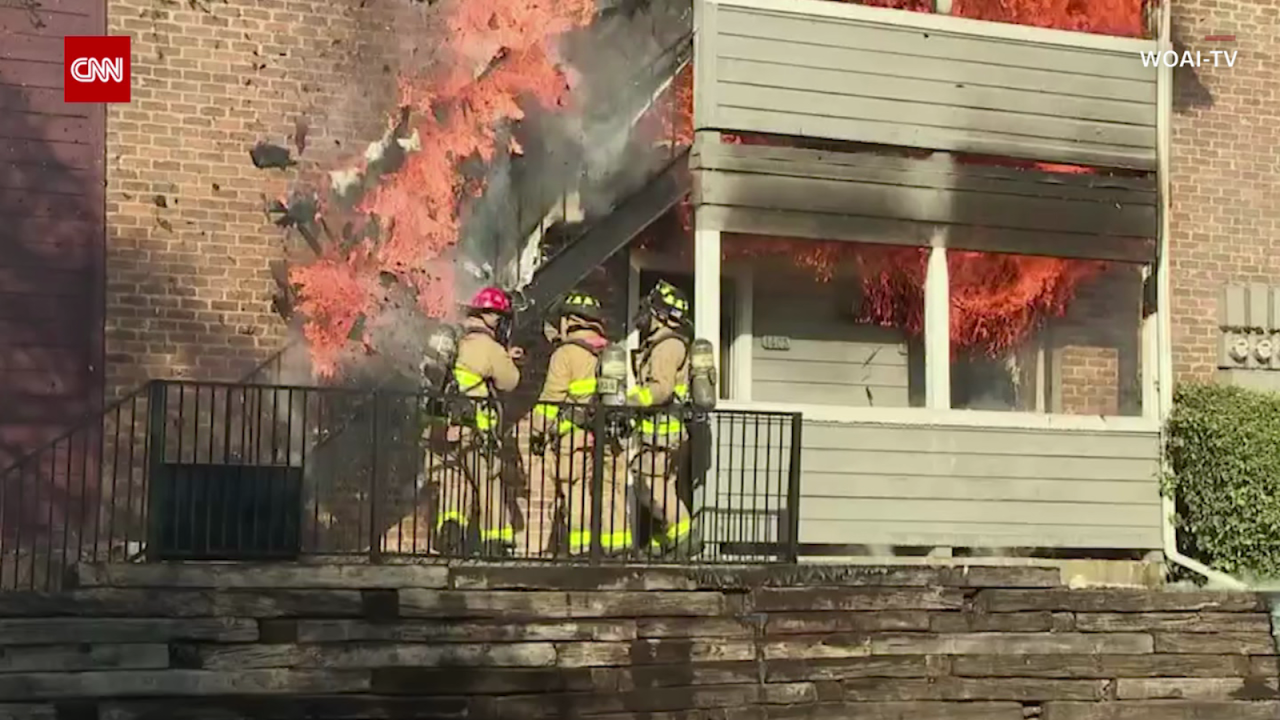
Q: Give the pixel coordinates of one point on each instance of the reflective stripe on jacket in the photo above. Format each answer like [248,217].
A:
[662,377]
[571,377]
[483,362]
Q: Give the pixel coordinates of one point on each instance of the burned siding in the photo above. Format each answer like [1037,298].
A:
[52,232]
[845,72]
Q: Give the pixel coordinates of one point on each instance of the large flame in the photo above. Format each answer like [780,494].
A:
[997,300]
[496,53]
[493,56]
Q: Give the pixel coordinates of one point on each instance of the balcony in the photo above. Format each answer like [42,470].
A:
[864,140]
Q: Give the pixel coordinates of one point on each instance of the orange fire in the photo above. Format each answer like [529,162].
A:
[496,52]
[492,57]
[997,300]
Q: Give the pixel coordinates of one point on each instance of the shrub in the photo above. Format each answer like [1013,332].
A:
[1223,451]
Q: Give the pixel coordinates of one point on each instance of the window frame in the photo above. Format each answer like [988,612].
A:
[709,269]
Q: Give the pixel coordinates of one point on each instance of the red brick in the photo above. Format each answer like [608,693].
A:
[178,300]
[1225,207]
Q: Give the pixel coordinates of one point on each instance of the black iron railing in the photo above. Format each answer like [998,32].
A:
[209,471]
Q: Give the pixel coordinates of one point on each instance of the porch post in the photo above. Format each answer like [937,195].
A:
[706,284]
[937,328]
[633,306]
[743,333]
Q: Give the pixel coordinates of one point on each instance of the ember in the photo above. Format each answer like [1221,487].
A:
[493,55]
[456,113]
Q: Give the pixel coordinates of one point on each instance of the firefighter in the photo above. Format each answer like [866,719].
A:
[485,366]
[562,431]
[661,366]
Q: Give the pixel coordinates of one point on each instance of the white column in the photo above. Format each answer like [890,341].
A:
[743,333]
[633,306]
[937,329]
[1161,331]
[706,285]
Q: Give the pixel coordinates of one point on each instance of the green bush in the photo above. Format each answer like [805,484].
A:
[1223,450]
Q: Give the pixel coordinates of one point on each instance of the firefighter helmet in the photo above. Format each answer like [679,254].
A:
[584,306]
[668,303]
[491,299]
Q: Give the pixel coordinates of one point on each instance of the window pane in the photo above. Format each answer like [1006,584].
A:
[1048,335]
[834,323]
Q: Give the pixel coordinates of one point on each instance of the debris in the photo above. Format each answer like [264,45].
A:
[357,329]
[160,201]
[266,155]
[300,135]
[216,187]
[345,184]
[299,213]
[164,224]
[413,143]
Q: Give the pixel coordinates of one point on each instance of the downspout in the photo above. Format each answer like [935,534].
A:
[1164,334]
[1273,602]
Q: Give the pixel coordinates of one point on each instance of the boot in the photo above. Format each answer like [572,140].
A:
[497,549]
[451,539]
[683,547]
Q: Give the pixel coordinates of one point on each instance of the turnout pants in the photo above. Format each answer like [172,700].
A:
[559,479]
[574,462]
[462,471]
[480,501]
[657,467]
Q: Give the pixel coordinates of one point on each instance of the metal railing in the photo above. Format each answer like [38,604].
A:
[219,471]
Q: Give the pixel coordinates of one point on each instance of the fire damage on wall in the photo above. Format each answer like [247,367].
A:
[517,108]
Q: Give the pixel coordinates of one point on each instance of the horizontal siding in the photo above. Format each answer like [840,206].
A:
[803,70]
[870,198]
[958,487]
[831,360]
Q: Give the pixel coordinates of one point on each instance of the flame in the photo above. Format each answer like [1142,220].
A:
[1104,17]
[997,300]
[497,53]
[494,56]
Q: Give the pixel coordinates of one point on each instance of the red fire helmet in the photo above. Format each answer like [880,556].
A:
[492,299]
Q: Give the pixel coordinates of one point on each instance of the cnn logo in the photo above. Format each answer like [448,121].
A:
[96,69]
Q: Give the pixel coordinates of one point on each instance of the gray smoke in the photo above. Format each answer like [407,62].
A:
[589,151]
[586,154]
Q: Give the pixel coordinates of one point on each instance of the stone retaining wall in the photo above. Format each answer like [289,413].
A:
[876,643]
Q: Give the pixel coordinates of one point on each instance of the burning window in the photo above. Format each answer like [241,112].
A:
[1042,334]
[842,323]
[817,339]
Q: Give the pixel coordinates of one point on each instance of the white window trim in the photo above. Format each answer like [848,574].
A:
[744,294]
[917,416]
[1155,358]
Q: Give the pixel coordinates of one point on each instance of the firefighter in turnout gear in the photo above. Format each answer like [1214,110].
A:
[484,367]
[661,366]
[562,431]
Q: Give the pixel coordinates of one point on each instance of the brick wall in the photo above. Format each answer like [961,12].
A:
[1226,196]
[189,288]
[1097,347]
[876,643]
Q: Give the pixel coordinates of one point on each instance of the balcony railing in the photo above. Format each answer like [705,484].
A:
[186,471]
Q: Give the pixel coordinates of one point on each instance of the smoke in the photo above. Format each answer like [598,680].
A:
[506,109]
[592,150]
